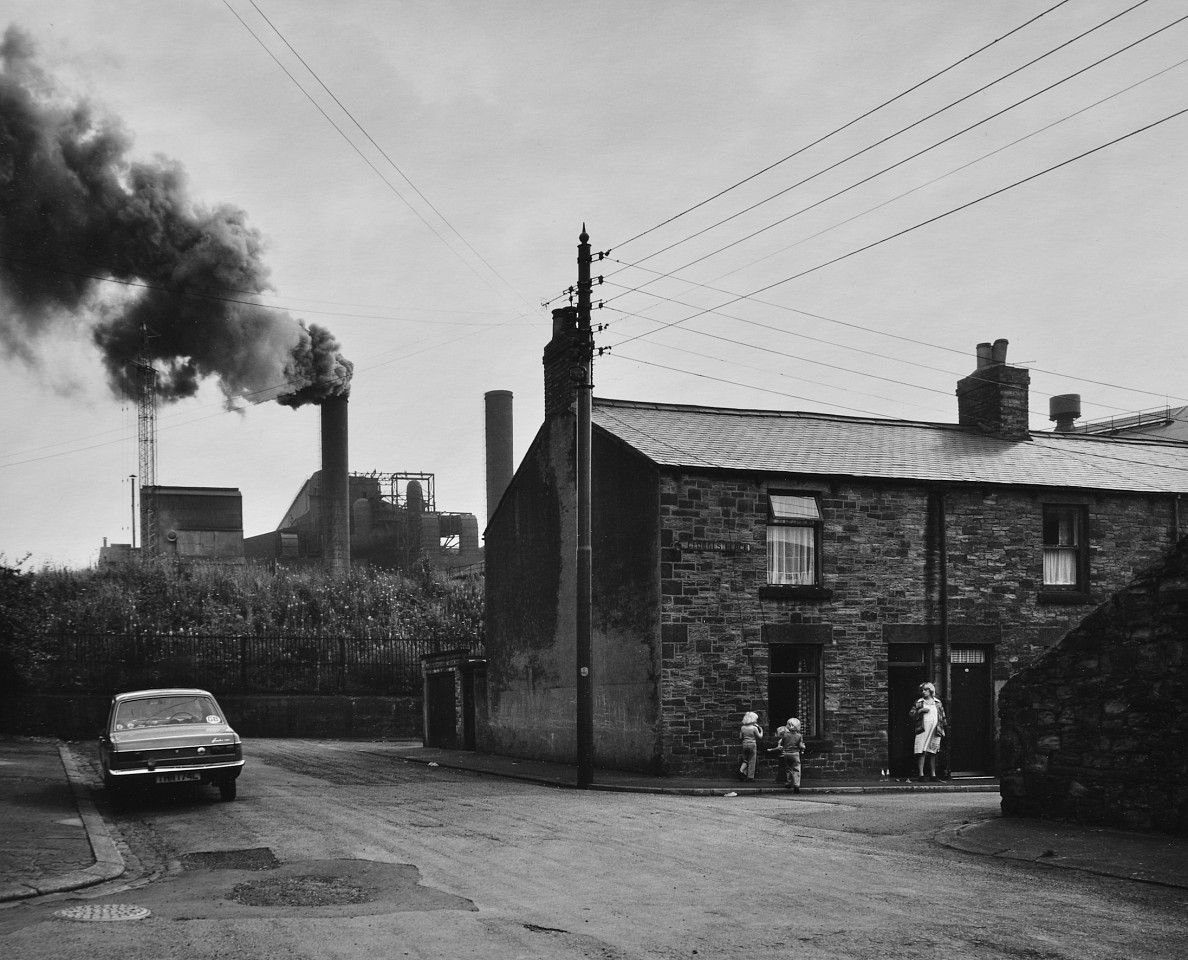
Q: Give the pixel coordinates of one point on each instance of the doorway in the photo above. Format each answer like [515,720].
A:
[971,710]
[441,711]
[908,666]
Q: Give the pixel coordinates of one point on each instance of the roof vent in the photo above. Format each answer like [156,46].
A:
[1065,410]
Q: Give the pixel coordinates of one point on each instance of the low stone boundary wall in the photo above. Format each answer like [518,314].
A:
[79,717]
[1096,731]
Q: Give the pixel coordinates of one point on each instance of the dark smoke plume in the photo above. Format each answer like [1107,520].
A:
[89,237]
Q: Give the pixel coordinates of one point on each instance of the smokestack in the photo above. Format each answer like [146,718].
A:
[192,274]
[336,506]
[1065,410]
[499,446]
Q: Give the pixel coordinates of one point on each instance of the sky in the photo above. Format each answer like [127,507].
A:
[819,206]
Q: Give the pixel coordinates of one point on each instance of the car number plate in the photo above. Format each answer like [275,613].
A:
[177,777]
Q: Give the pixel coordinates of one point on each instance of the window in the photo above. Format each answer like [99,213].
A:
[793,540]
[1065,554]
[794,686]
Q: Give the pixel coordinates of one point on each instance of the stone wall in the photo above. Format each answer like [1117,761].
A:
[881,582]
[1096,731]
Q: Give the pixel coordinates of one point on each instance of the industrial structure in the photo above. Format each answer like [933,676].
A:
[393,523]
[384,519]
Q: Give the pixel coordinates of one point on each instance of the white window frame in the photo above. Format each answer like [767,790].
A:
[794,527]
[1065,547]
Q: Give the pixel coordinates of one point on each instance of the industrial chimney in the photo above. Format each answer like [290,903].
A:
[336,504]
[499,446]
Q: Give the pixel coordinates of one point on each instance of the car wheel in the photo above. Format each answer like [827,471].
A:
[227,790]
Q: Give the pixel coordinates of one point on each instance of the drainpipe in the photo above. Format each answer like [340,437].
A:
[943,563]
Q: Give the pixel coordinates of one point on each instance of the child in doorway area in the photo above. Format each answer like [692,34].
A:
[752,736]
[791,747]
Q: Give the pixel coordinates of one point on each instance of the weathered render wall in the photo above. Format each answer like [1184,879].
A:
[531,550]
[531,614]
[881,580]
[1097,730]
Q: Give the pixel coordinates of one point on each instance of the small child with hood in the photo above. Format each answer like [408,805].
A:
[791,747]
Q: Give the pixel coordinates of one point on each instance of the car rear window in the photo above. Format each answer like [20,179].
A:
[159,711]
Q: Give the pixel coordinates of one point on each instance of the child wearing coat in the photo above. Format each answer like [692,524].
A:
[752,736]
[791,747]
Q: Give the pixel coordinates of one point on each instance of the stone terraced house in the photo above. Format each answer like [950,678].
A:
[803,564]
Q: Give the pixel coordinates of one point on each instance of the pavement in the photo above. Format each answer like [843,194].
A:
[52,838]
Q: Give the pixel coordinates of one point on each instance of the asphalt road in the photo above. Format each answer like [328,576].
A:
[341,850]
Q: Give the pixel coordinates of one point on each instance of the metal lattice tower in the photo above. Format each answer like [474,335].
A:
[146,422]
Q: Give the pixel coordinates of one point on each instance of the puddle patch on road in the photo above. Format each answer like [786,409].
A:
[252,858]
[235,884]
[299,892]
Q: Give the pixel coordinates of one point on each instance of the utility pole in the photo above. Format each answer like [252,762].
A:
[132,492]
[584,375]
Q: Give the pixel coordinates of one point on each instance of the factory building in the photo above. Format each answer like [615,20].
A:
[393,521]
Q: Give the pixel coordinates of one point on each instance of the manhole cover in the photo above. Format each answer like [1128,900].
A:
[299,892]
[99,912]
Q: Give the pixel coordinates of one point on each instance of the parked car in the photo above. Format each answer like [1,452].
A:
[163,737]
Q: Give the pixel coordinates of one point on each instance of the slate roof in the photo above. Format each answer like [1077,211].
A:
[767,441]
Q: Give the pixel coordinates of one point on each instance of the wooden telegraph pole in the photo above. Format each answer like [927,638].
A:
[584,375]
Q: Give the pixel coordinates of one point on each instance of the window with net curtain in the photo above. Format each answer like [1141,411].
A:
[794,686]
[1063,545]
[793,539]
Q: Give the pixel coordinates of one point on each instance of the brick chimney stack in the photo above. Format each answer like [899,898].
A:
[563,369]
[994,397]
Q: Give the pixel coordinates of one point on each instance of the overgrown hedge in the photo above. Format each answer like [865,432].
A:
[38,608]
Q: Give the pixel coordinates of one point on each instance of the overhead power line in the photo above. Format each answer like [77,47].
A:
[847,324]
[383,153]
[844,126]
[910,126]
[917,226]
[901,162]
[354,146]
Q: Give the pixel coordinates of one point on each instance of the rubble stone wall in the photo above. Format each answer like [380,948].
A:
[1096,731]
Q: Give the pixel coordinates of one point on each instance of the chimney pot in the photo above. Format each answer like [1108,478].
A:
[993,398]
[560,355]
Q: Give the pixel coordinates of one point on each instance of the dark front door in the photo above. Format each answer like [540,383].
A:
[442,711]
[971,711]
[468,739]
[907,668]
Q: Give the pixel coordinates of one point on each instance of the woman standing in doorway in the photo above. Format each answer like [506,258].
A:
[929,715]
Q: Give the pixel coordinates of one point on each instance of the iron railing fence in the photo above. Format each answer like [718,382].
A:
[255,664]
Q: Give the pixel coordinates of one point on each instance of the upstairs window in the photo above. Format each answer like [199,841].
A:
[1065,549]
[793,540]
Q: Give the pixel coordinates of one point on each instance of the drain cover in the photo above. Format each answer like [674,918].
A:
[97,912]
